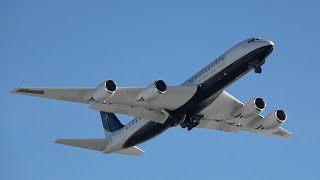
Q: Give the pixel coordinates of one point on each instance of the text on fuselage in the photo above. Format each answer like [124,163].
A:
[207,68]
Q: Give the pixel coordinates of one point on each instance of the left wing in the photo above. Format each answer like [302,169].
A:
[79,95]
[221,115]
[174,97]
[124,100]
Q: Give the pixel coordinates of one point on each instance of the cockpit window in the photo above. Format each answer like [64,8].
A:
[254,39]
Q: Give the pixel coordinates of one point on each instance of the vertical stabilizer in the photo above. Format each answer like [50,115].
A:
[110,123]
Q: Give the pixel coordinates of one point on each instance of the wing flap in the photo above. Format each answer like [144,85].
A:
[218,125]
[278,132]
[174,97]
[136,111]
[227,127]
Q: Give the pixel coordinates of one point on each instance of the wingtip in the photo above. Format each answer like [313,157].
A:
[58,141]
[14,91]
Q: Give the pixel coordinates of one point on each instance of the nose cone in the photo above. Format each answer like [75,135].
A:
[268,46]
[270,43]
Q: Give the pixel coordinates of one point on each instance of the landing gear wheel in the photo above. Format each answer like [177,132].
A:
[192,125]
[258,70]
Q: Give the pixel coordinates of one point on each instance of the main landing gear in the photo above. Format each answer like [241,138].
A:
[192,125]
[174,119]
[191,122]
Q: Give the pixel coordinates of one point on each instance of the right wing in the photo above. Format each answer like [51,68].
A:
[220,116]
[231,127]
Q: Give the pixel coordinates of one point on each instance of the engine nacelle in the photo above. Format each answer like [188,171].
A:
[253,108]
[274,120]
[104,91]
[154,91]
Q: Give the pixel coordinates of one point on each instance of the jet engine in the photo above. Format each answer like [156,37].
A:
[154,91]
[253,108]
[274,120]
[104,91]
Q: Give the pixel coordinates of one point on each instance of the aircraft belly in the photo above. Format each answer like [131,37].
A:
[145,133]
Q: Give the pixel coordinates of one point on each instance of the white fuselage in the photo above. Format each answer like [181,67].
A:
[216,66]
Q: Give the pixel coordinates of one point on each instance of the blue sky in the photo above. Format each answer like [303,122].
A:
[81,43]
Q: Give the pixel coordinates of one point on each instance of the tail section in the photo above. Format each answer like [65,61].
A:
[110,123]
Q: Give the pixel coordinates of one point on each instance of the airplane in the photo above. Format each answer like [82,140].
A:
[199,102]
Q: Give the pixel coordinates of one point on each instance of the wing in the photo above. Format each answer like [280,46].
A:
[123,101]
[79,95]
[126,101]
[219,116]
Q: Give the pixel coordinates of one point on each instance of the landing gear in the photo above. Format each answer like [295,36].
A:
[192,125]
[256,65]
[174,119]
[191,122]
[258,70]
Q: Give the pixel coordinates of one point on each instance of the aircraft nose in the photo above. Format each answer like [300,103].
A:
[269,47]
[270,43]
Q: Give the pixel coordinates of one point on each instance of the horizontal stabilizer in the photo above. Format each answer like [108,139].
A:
[92,144]
[98,145]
